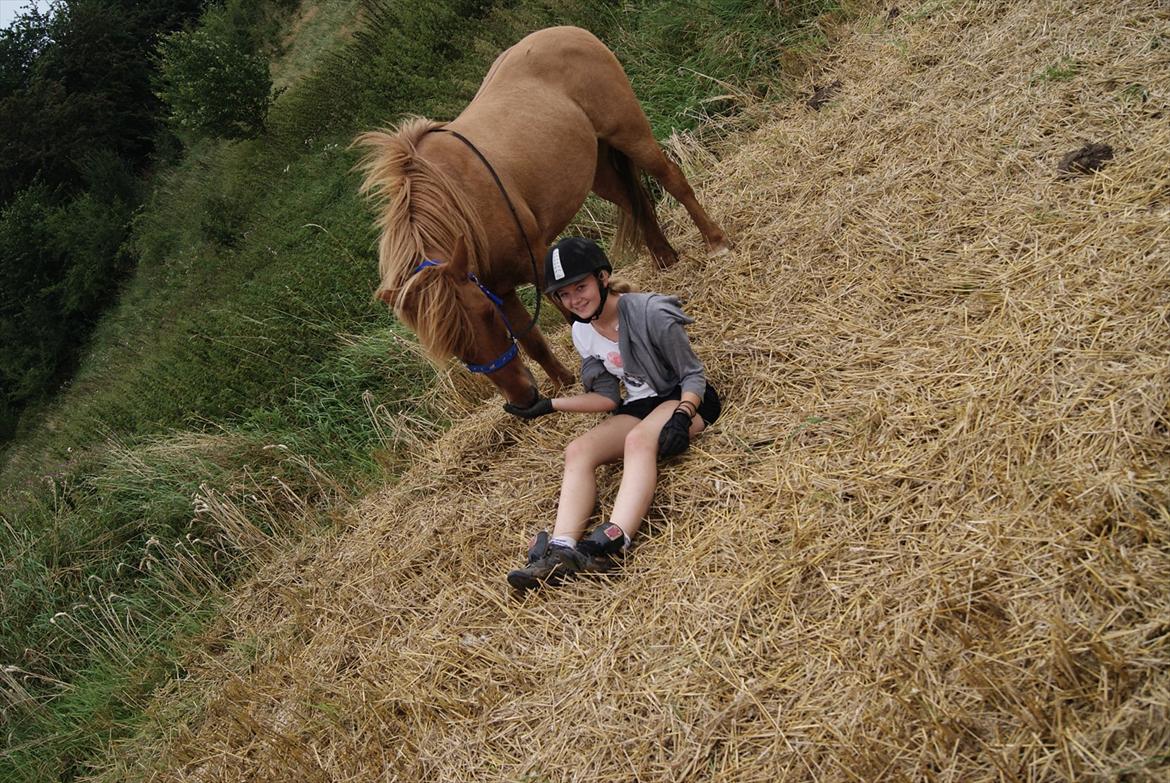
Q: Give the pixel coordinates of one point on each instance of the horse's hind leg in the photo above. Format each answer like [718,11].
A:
[638,143]
[616,181]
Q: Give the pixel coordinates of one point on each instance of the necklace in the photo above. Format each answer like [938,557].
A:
[608,330]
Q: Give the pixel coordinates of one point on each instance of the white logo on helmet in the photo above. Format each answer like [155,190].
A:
[558,270]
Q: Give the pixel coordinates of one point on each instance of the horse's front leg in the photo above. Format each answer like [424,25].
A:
[534,342]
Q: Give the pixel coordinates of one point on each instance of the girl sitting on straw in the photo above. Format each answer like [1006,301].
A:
[638,339]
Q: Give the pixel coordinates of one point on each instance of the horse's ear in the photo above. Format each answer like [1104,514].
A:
[456,265]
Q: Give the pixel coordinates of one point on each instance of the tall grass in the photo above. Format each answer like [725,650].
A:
[132,558]
[246,384]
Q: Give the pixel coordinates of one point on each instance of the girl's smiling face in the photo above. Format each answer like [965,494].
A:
[581,297]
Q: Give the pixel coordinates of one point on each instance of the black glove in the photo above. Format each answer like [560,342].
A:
[542,407]
[675,436]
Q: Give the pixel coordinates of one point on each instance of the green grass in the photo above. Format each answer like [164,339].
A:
[245,384]
[1136,93]
[694,62]
[1062,71]
[317,30]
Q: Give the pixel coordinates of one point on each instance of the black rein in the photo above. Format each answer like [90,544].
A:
[515,216]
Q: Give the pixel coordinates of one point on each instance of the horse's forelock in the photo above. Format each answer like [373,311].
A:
[429,304]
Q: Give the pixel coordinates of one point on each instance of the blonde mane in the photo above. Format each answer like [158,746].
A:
[420,207]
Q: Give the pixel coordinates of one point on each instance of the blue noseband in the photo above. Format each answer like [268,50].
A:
[512,350]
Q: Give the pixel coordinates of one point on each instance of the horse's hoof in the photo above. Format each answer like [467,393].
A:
[719,250]
[666,260]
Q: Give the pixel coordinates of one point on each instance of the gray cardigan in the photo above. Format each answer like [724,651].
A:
[654,347]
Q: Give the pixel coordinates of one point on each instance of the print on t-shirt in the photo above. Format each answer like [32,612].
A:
[589,343]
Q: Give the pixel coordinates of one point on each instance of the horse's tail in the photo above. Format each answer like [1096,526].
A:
[629,238]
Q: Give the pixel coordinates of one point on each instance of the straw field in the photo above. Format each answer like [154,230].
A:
[928,540]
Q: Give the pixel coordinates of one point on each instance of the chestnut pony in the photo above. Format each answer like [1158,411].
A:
[554,118]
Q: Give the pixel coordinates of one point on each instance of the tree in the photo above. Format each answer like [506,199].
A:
[213,85]
[77,82]
[78,123]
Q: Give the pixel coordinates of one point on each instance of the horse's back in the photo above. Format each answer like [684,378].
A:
[553,70]
[565,57]
[538,116]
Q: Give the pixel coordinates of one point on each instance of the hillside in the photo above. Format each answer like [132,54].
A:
[244,361]
[928,540]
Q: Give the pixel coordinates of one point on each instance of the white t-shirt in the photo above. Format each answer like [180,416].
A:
[588,342]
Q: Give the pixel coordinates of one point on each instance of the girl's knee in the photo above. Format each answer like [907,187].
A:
[578,452]
[641,440]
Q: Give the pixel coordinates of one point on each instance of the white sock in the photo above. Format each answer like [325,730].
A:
[568,542]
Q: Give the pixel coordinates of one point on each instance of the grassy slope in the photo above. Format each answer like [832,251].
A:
[245,366]
[928,541]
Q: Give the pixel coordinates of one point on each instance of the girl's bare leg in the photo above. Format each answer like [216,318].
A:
[599,446]
[640,472]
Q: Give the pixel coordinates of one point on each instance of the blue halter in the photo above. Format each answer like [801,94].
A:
[512,350]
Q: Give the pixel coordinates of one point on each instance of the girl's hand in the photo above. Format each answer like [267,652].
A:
[542,407]
[675,436]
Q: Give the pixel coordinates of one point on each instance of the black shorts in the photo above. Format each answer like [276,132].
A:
[709,408]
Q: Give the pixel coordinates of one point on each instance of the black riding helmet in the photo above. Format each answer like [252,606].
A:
[573,259]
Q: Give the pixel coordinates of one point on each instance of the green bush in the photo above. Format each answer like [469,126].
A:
[59,263]
[213,86]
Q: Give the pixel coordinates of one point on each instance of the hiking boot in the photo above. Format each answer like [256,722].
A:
[602,548]
[547,564]
[606,540]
